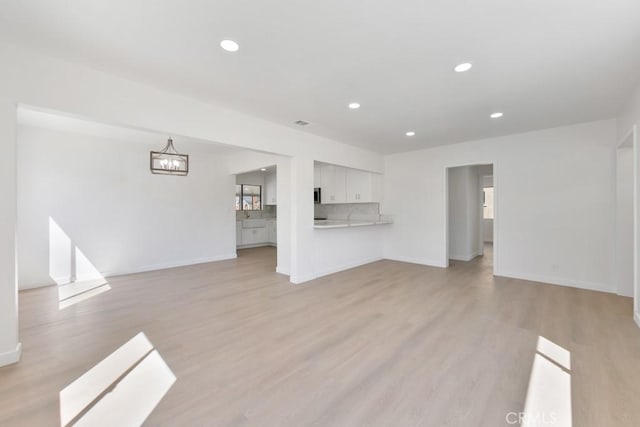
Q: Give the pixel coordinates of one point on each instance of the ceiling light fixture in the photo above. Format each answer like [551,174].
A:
[263,169]
[169,162]
[354,105]
[229,45]
[461,68]
[496,115]
[410,133]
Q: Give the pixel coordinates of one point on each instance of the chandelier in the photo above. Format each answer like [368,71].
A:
[169,161]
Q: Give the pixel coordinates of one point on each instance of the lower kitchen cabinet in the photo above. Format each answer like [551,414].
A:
[272,232]
[254,236]
[256,232]
[238,233]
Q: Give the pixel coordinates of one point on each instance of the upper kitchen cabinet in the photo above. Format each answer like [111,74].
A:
[345,185]
[376,187]
[333,181]
[317,180]
[271,192]
[359,186]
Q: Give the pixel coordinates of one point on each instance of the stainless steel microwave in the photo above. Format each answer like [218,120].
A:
[316,196]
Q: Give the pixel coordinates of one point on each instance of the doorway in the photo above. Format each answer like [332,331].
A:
[256,215]
[470,214]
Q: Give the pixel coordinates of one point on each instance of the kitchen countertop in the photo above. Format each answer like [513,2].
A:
[343,223]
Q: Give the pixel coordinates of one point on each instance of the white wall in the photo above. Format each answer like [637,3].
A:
[9,345]
[124,219]
[342,248]
[464,213]
[253,178]
[629,114]
[628,118]
[554,197]
[624,221]
[487,230]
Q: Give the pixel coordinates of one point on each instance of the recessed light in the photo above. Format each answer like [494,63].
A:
[461,68]
[410,133]
[496,115]
[263,169]
[229,45]
[354,105]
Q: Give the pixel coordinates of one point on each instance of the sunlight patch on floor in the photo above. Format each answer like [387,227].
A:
[123,389]
[73,293]
[548,399]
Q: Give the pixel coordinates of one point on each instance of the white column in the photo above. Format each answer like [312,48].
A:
[9,345]
[284,215]
[636,225]
[302,249]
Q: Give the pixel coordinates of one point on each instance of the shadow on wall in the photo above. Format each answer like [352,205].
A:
[76,277]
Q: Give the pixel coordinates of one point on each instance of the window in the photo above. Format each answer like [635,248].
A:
[248,197]
[487,202]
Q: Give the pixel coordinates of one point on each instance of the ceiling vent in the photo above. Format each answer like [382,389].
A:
[301,123]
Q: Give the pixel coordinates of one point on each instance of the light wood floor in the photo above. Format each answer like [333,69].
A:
[387,344]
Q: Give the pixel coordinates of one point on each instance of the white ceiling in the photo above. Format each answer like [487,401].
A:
[63,123]
[544,63]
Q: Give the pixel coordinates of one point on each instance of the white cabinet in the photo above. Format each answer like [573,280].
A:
[317,174]
[254,236]
[271,192]
[256,232]
[359,186]
[272,231]
[238,233]
[376,187]
[333,184]
[345,185]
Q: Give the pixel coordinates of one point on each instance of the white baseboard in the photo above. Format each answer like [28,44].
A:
[164,266]
[636,317]
[143,269]
[296,280]
[627,294]
[257,245]
[34,286]
[281,271]
[560,281]
[10,357]
[347,266]
[467,257]
[421,261]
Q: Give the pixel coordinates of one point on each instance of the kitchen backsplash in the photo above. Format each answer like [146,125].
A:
[339,211]
[268,211]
